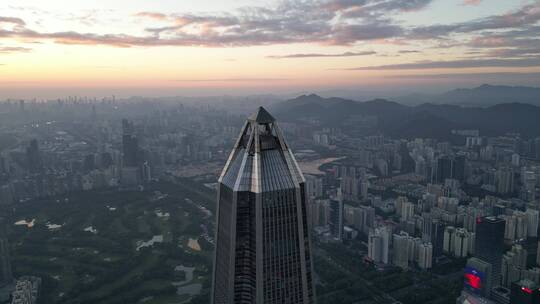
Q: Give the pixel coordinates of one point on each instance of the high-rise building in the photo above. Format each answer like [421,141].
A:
[514,262]
[336,218]
[461,243]
[6,276]
[538,255]
[448,243]
[478,277]
[131,171]
[379,244]
[407,211]
[130,145]
[263,250]
[516,227]
[33,157]
[489,245]
[314,186]
[504,179]
[450,167]
[425,256]
[532,222]
[402,244]
[433,232]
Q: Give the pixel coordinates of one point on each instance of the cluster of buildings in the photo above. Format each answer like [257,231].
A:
[24,290]
[86,146]
[414,203]
[417,203]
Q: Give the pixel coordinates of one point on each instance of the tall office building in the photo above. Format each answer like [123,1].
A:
[263,247]
[131,169]
[489,245]
[379,244]
[532,222]
[450,167]
[33,157]
[336,218]
[6,276]
[433,232]
[130,145]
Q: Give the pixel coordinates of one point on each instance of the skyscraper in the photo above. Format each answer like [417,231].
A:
[130,146]
[6,276]
[263,247]
[489,244]
[33,157]
[336,218]
[450,167]
[131,173]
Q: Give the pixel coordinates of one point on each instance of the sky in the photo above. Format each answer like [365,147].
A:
[54,48]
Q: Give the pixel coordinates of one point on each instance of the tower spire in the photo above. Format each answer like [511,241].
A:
[261,116]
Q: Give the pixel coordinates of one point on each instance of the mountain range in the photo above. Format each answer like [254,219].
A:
[482,96]
[423,120]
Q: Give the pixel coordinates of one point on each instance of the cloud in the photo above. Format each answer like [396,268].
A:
[316,55]
[471,2]
[289,21]
[234,80]
[527,15]
[152,15]
[323,22]
[11,49]
[12,20]
[459,76]
[455,64]
[408,51]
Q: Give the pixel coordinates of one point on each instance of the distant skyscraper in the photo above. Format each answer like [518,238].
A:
[130,145]
[450,167]
[131,170]
[33,157]
[336,218]
[489,244]
[263,247]
[6,276]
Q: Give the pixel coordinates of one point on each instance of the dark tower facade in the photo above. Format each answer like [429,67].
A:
[130,145]
[6,276]
[489,244]
[33,157]
[263,250]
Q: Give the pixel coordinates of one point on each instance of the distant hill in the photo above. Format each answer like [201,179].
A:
[482,96]
[425,120]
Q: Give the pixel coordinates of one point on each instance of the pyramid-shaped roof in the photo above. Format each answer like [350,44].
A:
[262,116]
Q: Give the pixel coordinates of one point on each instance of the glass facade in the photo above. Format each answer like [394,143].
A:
[263,251]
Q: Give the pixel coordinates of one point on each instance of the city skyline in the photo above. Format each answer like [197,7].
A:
[193,48]
[139,161]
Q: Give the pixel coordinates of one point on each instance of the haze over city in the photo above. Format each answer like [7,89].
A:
[270,152]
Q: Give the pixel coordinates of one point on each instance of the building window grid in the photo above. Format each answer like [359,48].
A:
[281,220]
